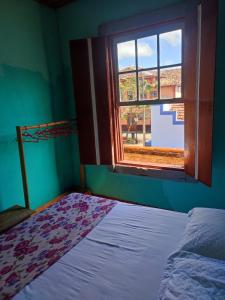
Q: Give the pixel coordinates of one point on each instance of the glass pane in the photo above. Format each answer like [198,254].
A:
[147,52]
[128,87]
[126,56]
[148,85]
[170,83]
[135,124]
[153,134]
[170,47]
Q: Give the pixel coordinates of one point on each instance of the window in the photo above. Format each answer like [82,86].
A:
[148,67]
[141,70]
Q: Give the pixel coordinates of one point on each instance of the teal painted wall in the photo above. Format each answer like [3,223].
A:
[81,19]
[31,92]
[64,147]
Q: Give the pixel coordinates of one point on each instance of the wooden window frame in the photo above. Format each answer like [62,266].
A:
[96,95]
[135,35]
[132,167]
[194,124]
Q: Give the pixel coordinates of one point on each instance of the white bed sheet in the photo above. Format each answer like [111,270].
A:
[122,258]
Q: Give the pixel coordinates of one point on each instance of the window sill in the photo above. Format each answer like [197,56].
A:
[159,172]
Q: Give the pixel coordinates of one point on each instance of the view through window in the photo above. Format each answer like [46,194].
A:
[150,88]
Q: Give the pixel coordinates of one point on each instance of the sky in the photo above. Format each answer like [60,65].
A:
[170,51]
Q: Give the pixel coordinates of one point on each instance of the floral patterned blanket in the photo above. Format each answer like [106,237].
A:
[32,246]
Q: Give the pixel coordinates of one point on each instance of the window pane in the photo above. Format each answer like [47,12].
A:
[126,56]
[170,47]
[147,52]
[153,134]
[128,87]
[170,83]
[148,85]
[132,120]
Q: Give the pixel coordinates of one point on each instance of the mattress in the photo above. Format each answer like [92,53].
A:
[122,258]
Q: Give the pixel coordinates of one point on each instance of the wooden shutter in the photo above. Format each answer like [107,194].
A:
[197,84]
[90,69]
[103,93]
[199,76]
[206,89]
[190,80]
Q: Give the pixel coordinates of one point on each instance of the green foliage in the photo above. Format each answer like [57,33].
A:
[128,87]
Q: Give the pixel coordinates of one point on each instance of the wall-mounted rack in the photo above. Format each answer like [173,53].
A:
[38,133]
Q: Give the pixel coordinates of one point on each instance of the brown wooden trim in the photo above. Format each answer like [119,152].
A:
[102,93]
[82,176]
[83,100]
[47,124]
[206,89]
[152,68]
[114,109]
[151,102]
[23,166]
[189,77]
[154,150]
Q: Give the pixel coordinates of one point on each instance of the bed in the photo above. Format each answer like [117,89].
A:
[124,256]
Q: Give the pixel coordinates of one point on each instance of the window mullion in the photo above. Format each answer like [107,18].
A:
[151,102]
[158,64]
[136,65]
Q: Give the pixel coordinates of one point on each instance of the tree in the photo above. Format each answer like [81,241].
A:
[128,92]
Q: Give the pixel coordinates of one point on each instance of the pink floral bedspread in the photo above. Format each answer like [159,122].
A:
[34,245]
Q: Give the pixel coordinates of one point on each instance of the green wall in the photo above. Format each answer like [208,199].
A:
[81,19]
[36,87]
[31,91]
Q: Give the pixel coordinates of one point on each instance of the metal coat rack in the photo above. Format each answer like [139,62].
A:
[38,133]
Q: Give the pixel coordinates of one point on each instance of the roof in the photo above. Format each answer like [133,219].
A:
[169,77]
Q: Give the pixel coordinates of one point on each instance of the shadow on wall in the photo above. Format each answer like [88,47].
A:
[63,145]
[26,99]
[70,164]
[65,152]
